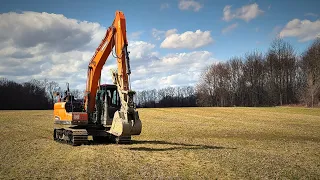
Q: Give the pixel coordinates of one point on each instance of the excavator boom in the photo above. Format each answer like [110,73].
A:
[115,37]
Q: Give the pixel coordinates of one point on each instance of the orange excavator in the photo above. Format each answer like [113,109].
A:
[108,111]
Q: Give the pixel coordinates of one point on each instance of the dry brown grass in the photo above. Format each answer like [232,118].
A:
[176,143]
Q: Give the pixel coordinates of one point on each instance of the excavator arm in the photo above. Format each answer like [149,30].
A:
[115,37]
[126,121]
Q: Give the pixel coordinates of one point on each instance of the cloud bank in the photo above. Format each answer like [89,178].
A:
[52,46]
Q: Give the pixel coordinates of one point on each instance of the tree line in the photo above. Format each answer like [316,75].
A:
[33,94]
[279,77]
[167,97]
[28,95]
[36,94]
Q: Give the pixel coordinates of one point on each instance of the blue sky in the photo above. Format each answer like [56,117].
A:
[246,32]
[143,15]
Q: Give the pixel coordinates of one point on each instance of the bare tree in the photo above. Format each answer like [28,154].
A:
[281,63]
[311,61]
[254,78]
[77,94]
[236,77]
[51,88]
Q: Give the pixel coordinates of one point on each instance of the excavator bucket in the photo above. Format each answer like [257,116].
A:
[120,127]
[136,125]
[123,127]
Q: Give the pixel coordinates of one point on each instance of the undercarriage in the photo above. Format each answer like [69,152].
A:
[77,136]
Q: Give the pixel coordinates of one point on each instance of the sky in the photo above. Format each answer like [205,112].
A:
[170,41]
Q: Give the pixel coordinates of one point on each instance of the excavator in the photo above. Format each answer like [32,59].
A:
[108,111]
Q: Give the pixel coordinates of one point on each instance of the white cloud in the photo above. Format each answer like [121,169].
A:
[160,34]
[189,39]
[171,31]
[43,45]
[30,29]
[164,6]
[190,5]
[304,30]
[227,15]
[64,55]
[311,14]
[135,35]
[140,49]
[246,13]
[229,28]
[180,69]
[157,34]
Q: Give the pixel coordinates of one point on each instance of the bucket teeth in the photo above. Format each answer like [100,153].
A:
[123,127]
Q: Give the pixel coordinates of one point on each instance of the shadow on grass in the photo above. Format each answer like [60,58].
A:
[180,146]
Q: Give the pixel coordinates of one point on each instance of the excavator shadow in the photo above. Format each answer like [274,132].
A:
[177,146]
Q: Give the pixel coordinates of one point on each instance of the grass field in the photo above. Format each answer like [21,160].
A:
[176,143]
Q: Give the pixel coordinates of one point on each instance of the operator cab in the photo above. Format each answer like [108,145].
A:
[110,95]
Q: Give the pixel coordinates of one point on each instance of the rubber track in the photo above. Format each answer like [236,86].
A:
[77,137]
[73,137]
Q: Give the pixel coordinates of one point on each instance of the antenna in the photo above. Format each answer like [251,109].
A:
[69,96]
[68,90]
